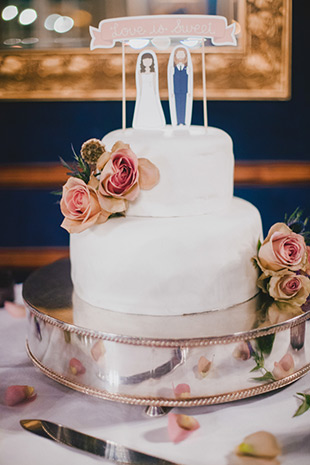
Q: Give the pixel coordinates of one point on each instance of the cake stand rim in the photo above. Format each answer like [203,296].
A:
[171,342]
[233,396]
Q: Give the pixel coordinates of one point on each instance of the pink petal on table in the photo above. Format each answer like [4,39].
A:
[182,391]
[260,444]
[76,367]
[15,310]
[17,394]
[97,350]
[181,426]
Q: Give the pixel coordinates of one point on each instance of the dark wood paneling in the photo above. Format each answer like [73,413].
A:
[53,175]
[30,257]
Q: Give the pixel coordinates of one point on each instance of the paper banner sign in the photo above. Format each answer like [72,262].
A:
[202,26]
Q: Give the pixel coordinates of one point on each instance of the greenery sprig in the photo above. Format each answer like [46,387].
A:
[297,224]
[263,347]
[80,168]
[260,365]
[305,404]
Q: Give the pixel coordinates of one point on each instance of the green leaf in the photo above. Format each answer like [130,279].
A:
[304,406]
[255,368]
[259,244]
[65,164]
[259,358]
[268,376]
[117,215]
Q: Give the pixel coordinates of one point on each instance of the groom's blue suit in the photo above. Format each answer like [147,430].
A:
[180,83]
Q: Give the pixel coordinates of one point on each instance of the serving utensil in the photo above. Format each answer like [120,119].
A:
[104,448]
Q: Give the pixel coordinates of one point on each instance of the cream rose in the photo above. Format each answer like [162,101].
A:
[290,288]
[80,206]
[282,249]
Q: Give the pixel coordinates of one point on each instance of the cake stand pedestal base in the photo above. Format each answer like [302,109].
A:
[160,362]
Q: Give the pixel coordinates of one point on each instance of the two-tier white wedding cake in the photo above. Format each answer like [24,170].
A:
[185,246]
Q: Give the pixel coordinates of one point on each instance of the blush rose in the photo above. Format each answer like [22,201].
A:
[80,206]
[282,249]
[122,177]
[290,288]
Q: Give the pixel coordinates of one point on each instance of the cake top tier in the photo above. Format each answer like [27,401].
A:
[195,167]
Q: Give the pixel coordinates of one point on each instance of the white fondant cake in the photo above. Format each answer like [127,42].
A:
[196,169]
[186,245]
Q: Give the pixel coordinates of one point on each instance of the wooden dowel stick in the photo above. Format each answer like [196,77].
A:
[203,64]
[124,87]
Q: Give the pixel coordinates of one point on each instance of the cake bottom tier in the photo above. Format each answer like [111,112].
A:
[168,266]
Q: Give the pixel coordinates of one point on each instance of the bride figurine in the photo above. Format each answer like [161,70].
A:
[148,112]
[180,86]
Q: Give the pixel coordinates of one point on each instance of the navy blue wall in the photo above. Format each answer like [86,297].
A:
[43,131]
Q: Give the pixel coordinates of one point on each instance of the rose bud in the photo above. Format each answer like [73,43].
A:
[182,391]
[97,350]
[284,367]
[260,444]
[242,351]
[16,311]
[204,366]
[76,367]
[180,426]
[17,394]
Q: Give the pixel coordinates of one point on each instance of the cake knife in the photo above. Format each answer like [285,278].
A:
[107,449]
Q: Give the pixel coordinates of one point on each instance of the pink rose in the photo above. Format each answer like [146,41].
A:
[119,177]
[122,177]
[289,287]
[80,206]
[282,249]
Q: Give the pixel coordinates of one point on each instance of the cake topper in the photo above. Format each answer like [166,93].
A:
[164,27]
[148,112]
[180,86]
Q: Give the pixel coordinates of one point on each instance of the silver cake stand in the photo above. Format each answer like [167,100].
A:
[156,361]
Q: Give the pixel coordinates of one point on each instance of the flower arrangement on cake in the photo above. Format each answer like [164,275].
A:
[284,262]
[102,183]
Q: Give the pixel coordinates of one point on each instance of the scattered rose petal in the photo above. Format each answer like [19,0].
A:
[204,366]
[247,460]
[242,351]
[260,444]
[76,367]
[97,350]
[17,394]
[180,426]
[15,310]
[182,391]
[284,367]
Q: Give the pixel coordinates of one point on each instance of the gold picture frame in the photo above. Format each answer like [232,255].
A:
[259,70]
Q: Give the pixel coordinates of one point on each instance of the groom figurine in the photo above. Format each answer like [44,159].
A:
[180,83]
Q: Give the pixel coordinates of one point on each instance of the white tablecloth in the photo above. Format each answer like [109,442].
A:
[222,427]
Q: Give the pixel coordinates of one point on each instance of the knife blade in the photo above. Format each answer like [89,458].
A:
[104,448]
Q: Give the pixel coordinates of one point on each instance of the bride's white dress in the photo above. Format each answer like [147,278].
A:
[148,110]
